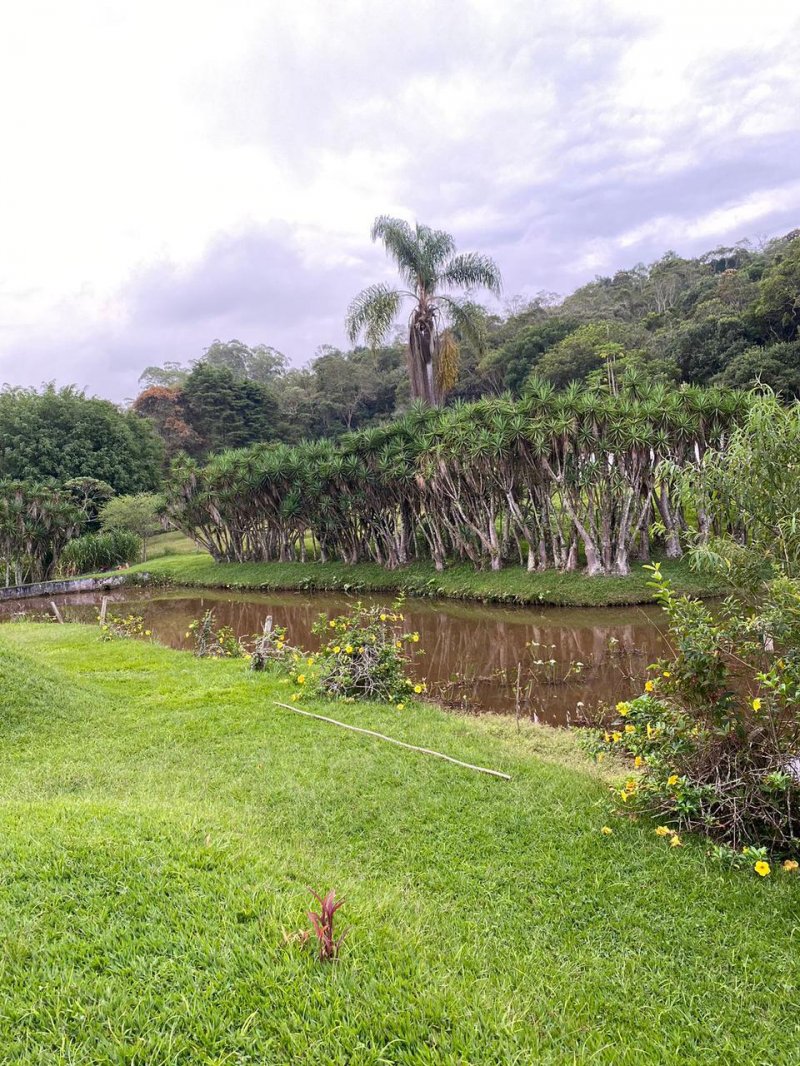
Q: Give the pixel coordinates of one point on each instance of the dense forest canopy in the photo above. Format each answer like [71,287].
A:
[728,317]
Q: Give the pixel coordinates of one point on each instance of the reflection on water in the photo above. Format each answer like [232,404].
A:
[472,652]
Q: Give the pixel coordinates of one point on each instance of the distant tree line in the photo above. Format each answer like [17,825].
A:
[729,317]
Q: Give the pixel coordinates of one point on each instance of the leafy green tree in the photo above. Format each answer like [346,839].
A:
[778,305]
[226,412]
[139,514]
[59,434]
[90,495]
[777,366]
[259,363]
[702,349]
[432,273]
[586,350]
[513,362]
[168,376]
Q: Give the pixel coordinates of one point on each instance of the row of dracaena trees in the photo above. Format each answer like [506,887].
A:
[558,479]
[36,522]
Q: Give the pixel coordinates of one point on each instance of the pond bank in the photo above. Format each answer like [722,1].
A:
[567,660]
[60,588]
[513,585]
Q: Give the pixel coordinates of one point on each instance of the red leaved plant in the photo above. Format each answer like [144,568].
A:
[327,942]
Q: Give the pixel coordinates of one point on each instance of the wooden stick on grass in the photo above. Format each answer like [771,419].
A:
[391,740]
[56,612]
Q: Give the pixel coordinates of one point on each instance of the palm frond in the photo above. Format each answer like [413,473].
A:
[471,270]
[372,313]
[402,244]
[468,319]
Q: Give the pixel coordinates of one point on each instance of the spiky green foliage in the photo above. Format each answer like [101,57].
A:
[36,522]
[550,481]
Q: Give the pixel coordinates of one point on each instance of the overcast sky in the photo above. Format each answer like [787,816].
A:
[174,172]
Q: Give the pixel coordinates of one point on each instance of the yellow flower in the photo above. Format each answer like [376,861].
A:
[400,706]
[295,696]
[418,689]
[336,650]
[790,864]
[666,674]
[398,644]
[673,779]
[630,785]
[663,831]
[616,737]
[606,736]
[606,831]
[349,649]
[310,661]
[630,728]
[623,796]
[148,632]
[649,686]
[623,709]
[383,617]
[187,635]
[279,644]
[415,637]
[762,868]
[676,841]
[332,624]
[638,761]
[756,704]
[301,679]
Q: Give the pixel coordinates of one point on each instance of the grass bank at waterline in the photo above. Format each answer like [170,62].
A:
[160,820]
[511,585]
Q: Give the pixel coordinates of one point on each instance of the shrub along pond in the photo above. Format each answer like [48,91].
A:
[570,660]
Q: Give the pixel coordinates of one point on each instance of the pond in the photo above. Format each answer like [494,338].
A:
[571,660]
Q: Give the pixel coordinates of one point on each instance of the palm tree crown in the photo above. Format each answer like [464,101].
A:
[432,273]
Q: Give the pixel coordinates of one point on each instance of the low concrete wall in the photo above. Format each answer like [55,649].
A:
[58,588]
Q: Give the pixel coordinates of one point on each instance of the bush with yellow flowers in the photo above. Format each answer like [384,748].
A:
[366,654]
[715,736]
[118,626]
[212,642]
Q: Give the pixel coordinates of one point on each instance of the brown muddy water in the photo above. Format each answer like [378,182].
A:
[572,660]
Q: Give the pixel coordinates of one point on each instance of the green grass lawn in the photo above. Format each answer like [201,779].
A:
[511,585]
[160,820]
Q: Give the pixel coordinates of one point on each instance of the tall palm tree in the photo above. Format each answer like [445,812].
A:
[433,273]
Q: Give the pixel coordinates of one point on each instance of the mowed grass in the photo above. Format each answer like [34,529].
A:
[511,585]
[160,820]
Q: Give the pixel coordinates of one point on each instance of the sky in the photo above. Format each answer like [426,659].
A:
[176,172]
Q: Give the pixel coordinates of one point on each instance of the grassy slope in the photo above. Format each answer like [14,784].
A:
[160,819]
[512,585]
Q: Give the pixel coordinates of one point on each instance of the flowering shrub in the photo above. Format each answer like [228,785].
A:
[716,734]
[219,643]
[364,654]
[271,647]
[115,626]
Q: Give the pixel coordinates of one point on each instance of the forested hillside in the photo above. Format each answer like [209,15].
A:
[728,317]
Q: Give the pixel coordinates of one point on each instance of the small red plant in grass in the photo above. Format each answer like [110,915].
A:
[328,944]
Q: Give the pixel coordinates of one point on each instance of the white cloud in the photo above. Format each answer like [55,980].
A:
[564,138]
